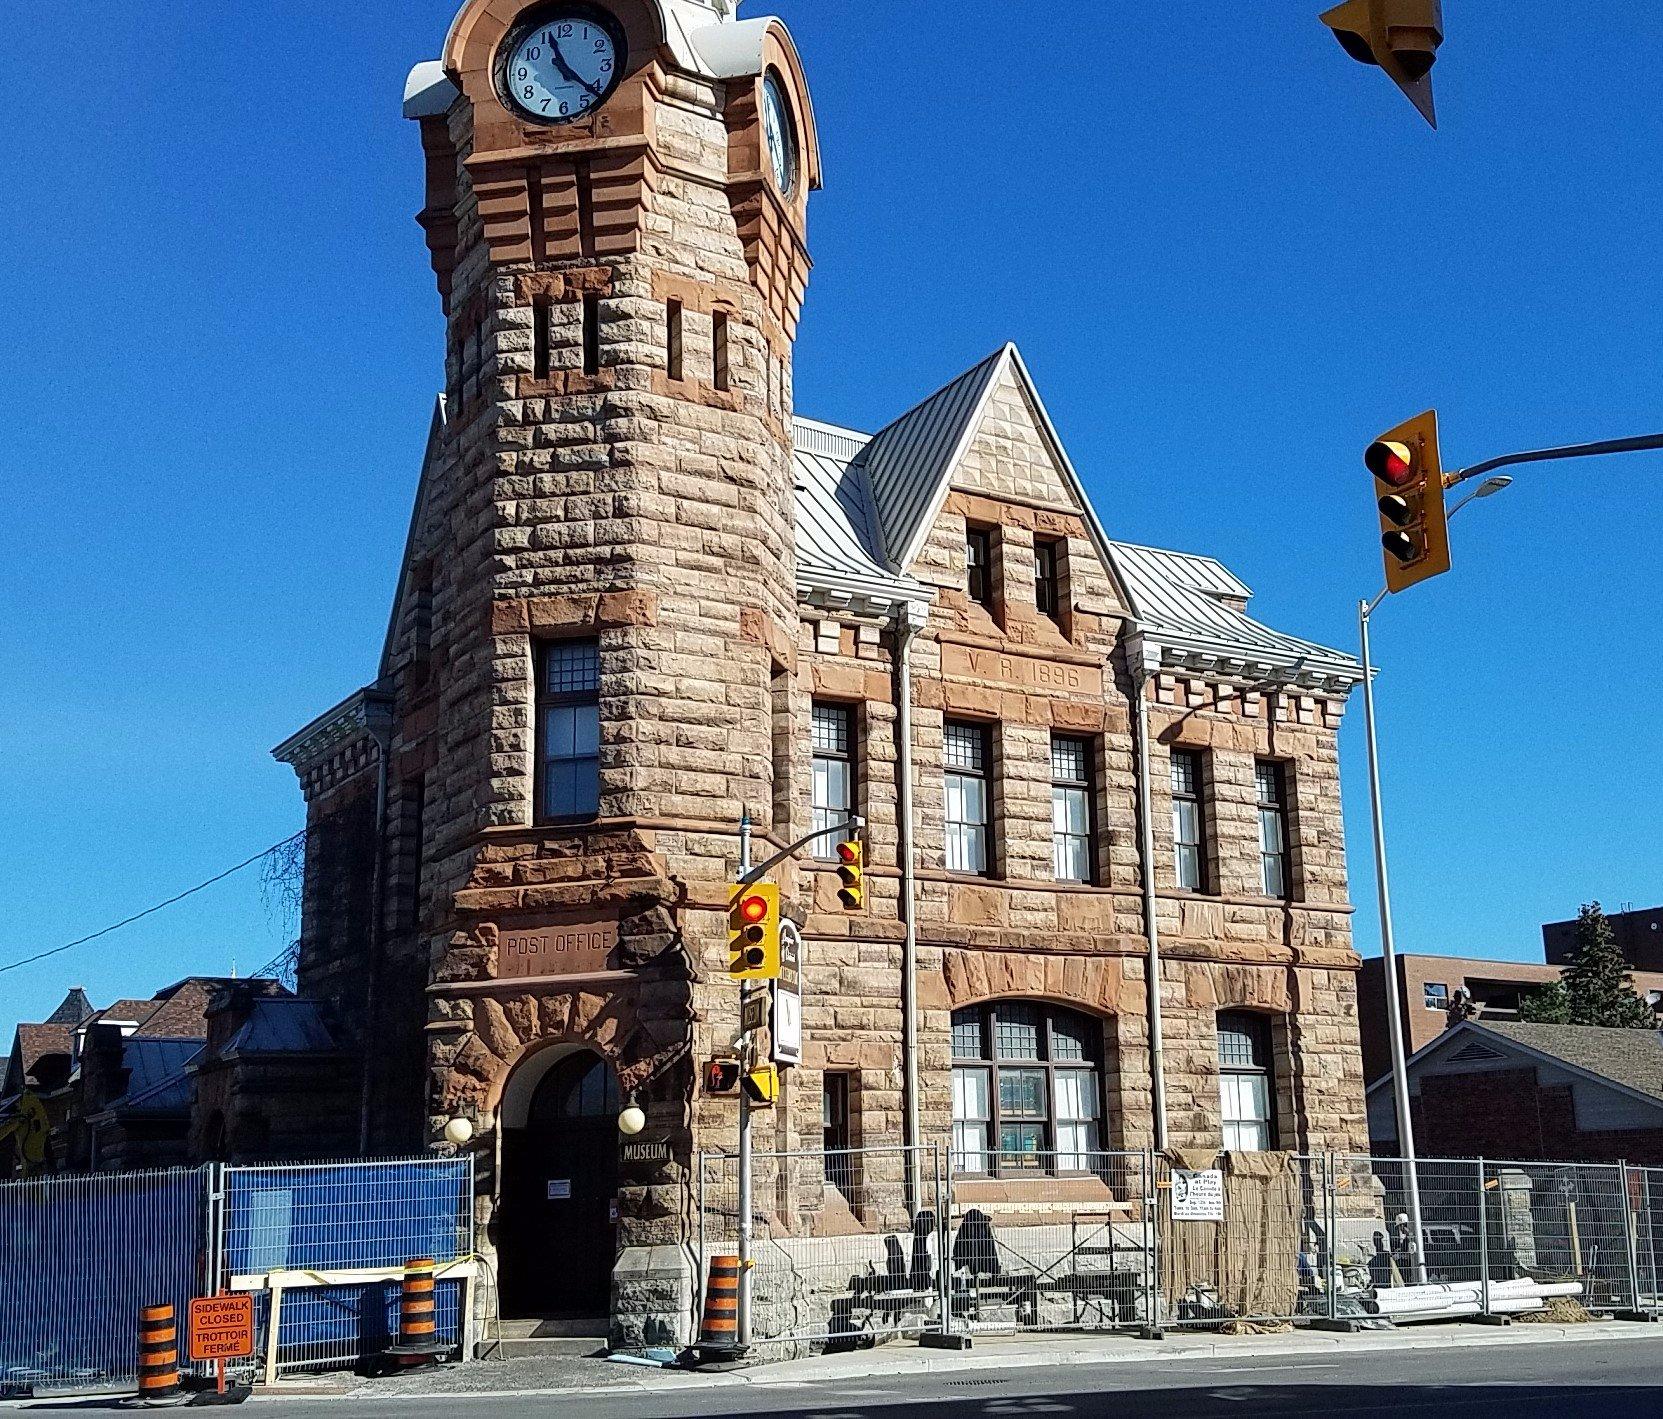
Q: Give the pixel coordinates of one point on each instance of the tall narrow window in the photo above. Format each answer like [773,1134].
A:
[978,564]
[834,773]
[672,339]
[1245,1081]
[835,1135]
[966,754]
[541,312]
[1073,853]
[569,730]
[719,367]
[1026,1089]
[1271,779]
[591,333]
[1188,841]
[1047,578]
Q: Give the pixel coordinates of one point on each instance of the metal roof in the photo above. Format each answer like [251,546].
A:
[1191,607]
[908,462]
[839,546]
[864,502]
[157,1079]
[280,1026]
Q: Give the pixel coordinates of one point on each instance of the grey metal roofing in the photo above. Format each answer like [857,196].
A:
[1631,1058]
[862,501]
[281,1026]
[839,547]
[157,1079]
[907,461]
[1184,599]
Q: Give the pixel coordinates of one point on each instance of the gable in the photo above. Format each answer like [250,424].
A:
[1010,456]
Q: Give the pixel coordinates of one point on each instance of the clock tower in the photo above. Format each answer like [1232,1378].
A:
[597,616]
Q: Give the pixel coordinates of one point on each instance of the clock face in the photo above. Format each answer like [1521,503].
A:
[779,134]
[562,66]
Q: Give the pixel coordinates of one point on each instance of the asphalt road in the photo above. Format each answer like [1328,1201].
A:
[1562,1381]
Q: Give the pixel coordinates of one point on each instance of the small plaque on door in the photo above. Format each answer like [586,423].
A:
[560,1189]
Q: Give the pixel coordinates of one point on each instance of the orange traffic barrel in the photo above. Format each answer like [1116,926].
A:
[158,1353]
[417,1316]
[719,1330]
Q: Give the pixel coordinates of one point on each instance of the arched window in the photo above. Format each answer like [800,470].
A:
[1246,1081]
[1027,1088]
[581,1087]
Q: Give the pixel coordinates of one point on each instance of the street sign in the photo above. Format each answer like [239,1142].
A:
[753,1011]
[788,1000]
[222,1328]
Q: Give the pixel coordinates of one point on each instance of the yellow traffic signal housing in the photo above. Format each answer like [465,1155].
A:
[851,872]
[1409,490]
[754,932]
[1401,36]
[762,1086]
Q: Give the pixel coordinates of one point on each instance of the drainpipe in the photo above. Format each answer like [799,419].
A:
[1146,869]
[908,623]
[378,720]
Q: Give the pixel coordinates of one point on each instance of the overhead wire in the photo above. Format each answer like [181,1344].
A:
[152,910]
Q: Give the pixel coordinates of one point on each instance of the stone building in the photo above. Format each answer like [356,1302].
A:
[641,598]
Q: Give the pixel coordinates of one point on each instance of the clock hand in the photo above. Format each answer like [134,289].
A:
[568,71]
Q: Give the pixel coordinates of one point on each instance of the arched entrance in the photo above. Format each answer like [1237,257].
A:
[557,1236]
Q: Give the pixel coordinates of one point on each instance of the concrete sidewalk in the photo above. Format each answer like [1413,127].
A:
[567,1376]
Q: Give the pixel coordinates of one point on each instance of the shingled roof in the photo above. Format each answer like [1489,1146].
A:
[1630,1058]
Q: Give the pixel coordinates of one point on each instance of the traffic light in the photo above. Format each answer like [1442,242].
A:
[851,872]
[721,1076]
[1401,36]
[1409,486]
[754,932]
[762,1086]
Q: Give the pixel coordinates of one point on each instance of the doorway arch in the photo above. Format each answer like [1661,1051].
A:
[557,1231]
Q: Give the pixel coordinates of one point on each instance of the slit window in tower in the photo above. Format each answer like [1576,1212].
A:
[672,339]
[591,334]
[719,349]
[540,337]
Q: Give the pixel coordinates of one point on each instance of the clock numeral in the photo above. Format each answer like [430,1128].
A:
[565,109]
[534,54]
[600,46]
[524,73]
[566,31]
[606,66]
[530,91]
[546,103]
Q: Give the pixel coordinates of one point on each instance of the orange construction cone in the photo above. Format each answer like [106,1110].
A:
[719,1328]
[158,1353]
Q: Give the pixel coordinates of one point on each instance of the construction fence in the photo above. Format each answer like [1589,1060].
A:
[852,1247]
[320,1247]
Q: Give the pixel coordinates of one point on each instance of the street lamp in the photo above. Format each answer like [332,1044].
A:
[632,1120]
[1388,944]
[458,1132]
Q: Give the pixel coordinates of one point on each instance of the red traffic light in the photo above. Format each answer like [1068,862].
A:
[848,852]
[1391,462]
[753,909]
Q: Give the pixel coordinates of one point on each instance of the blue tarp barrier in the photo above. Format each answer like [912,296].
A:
[79,1257]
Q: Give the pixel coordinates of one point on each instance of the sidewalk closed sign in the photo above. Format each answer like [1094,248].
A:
[1197,1196]
[222,1328]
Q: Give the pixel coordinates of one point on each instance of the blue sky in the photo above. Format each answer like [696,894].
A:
[1230,255]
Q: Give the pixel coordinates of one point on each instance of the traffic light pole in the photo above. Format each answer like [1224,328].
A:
[1642,444]
[746,1058]
[1388,949]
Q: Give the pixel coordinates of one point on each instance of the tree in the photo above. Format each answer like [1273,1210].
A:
[1548,1004]
[1598,984]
